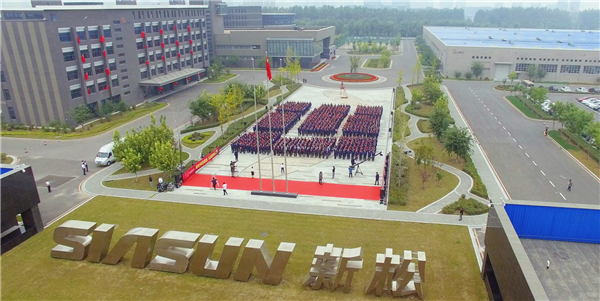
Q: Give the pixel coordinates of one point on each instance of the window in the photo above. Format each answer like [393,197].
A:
[169,68]
[591,69]
[164,27]
[81,35]
[96,52]
[2,76]
[141,60]
[139,45]
[167,54]
[151,56]
[92,88]
[88,70]
[154,71]
[119,46]
[171,26]
[522,66]
[172,40]
[119,39]
[85,53]
[69,56]
[123,70]
[75,93]
[112,66]
[11,113]
[121,63]
[93,34]
[570,68]
[102,86]
[6,94]
[138,29]
[188,62]
[53,18]
[65,37]
[107,33]
[549,68]
[13,16]
[71,75]
[110,50]
[127,92]
[175,65]
[114,82]
[125,78]
[116,98]
[187,50]
[150,43]
[174,53]
[144,74]
[99,69]
[121,54]
[118,22]
[155,28]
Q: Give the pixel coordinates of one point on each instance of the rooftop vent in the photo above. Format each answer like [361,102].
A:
[559,41]
[503,40]
[538,38]
[490,37]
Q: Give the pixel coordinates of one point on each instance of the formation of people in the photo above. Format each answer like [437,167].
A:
[277,121]
[320,147]
[349,147]
[362,125]
[294,106]
[247,142]
[324,121]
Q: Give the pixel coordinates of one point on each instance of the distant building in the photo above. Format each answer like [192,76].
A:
[566,55]
[253,17]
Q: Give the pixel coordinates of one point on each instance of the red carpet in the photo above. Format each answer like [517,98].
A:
[300,187]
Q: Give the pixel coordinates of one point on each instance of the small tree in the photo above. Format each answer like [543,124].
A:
[81,114]
[459,141]
[233,60]
[431,89]
[132,161]
[354,63]
[457,74]
[261,62]
[504,82]
[400,76]
[540,72]
[440,118]
[477,68]
[468,75]
[512,76]
[538,94]
[218,102]
[164,156]
[417,70]
[202,107]
[531,71]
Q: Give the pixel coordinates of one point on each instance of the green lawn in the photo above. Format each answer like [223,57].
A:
[6,159]
[424,126]
[397,133]
[139,183]
[220,79]
[193,144]
[400,97]
[93,129]
[425,110]
[523,108]
[580,155]
[439,152]
[33,275]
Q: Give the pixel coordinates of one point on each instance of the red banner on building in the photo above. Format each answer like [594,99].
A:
[200,163]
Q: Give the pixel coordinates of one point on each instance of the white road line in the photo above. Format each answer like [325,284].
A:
[500,122]
[509,134]
[564,198]
[484,105]
[515,140]
[504,128]
[495,117]
[542,172]
[488,109]
[527,155]
[534,163]
[551,183]
[492,113]
[520,146]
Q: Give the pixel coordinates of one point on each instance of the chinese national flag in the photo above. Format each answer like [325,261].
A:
[268,68]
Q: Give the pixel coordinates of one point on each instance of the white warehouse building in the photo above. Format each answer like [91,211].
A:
[566,55]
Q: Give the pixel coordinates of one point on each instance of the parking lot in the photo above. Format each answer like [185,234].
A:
[572,97]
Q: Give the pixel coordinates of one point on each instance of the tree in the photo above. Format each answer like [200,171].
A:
[593,130]
[504,82]
[468,75]
[354,63]
[538,94]
[417,96]
[458,140]
[540,72]
[132,161]
[292,63]
[431,89]
[261,62]
[142,140]
[384,61]
[574,119]
[400,76]
[105,110]
[216,69]
[81,114]
[164,157]
[417,70]
[424,155]
[233,60]
[512,76]
[531,71]
[201,107]
[477,68]
[364,48]
[457,74]
[218,102]
[440,118]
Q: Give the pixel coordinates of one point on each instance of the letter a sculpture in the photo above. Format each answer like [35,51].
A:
[330,264]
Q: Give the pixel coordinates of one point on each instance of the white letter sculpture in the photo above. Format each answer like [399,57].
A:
[327,268]
[397,274]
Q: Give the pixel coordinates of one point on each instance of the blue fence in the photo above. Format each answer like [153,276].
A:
[555,223]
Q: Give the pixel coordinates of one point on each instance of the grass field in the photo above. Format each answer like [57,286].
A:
[523,108]
[400,97]
[580,155]
[439,153]
[141,183]
[424,126]
[205,136]
[424,111]
[6,159]
[31,274]
[220,79]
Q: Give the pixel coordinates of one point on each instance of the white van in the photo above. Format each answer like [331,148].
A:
[105,155]
[527,83]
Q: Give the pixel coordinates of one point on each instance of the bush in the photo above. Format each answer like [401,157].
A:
[468,75]
[479,188]
[457,74]
[196,138]
[3,156]
[197,127]
[471,207]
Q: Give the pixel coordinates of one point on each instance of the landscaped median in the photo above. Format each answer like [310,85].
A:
[451,262]
[582,151]
[6,159]
[319,67]
[528,108]
[220,79]
[196,139]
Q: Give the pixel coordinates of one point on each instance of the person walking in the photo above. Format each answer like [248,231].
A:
[87,168]
[215,182]
[236,154]
[282,168]
[48,185]
[224,188]
[150,180]
[350,169]
[462,211]
[252,171]
[83,167]
[321,177]
[570,185]
[376,178]
[333,172]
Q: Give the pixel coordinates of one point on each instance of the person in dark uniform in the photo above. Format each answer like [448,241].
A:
[376,178]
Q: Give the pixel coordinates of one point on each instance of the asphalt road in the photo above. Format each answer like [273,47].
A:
[529,164]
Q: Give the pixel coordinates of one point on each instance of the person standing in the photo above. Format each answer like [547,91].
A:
[282,168]
[83,167]
[333,172]
[150,180]
[252,171]
[224,188]
[462,211]
[570,185]
[215,182]
[350,169]
[236,154]
[48,185]
[376,178]
[87,168]
[321,177]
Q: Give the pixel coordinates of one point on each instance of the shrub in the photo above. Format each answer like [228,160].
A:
[196,138]
[471,207]
[3,156]
[468,75]
[457,74]
[479,188]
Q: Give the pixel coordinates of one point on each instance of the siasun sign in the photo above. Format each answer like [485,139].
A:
[393,274]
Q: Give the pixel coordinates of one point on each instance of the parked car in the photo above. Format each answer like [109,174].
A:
[587,102]
[553,88]
[547,106]
[594,90]
[582,89]
[583,98]
[594,104]
[565,89]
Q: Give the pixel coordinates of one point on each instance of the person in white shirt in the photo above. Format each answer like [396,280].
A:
[282,168]
[160,180]
[224,188]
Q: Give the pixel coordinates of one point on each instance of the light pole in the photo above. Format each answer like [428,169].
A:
[178,136]
[284,132]
[256,124]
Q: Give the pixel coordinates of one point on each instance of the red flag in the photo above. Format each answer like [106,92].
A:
[78,40]
[268,68]
[143,34]
[86,76]
[107,87]
[101,39]
[89,91]
[83,58]
[107,71]
[161,31]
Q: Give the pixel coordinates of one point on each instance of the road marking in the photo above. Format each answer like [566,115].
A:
[492,113]
[527,155]
[509,134]
[515,140]
[504,128]
[534,163]
[496,118]
[484,105]
[564,198]
[551,183]
[542,172]
[520,146]
[500,122]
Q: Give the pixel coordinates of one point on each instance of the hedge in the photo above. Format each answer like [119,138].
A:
[479,188]
[197,138]
[191,128]
[584,146]
[470,206]
[533,107]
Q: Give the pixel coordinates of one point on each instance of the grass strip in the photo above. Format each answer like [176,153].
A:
[424,126]
[220,79]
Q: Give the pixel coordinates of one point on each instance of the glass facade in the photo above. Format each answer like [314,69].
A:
[302,47]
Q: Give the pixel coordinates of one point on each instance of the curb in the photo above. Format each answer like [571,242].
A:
[575,159]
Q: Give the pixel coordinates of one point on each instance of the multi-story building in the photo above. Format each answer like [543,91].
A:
[57,55]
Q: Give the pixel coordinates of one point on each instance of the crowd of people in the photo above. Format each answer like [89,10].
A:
[349,147]
[277,121]
[294,106]
[362,125]
[320,147]
[247,142]
[369,110]
[324,121]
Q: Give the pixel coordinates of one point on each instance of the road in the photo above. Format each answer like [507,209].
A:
[529,164]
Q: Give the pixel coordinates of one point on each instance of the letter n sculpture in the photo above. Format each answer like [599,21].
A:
[257,255]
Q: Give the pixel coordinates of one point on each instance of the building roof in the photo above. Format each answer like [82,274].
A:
[171,77]
[517,38]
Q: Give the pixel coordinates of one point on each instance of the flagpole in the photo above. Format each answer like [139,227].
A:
[284,134]
[257,131]
[271,136]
